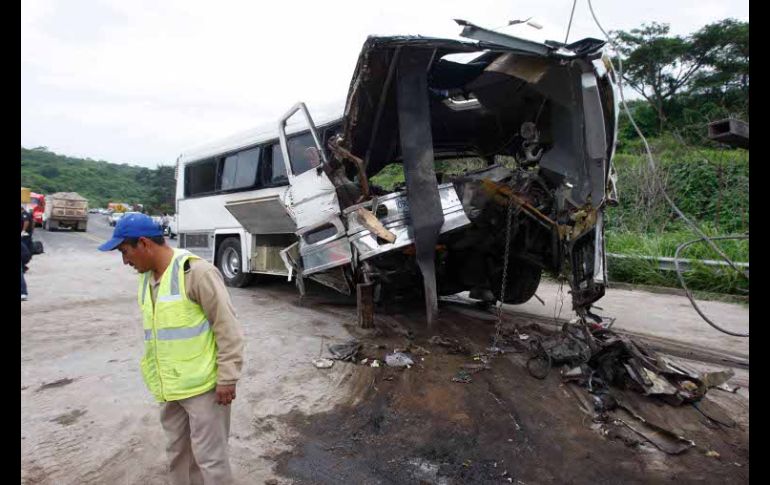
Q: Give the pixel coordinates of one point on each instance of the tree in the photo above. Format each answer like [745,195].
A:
[163,189]
[661,67]
[728,59]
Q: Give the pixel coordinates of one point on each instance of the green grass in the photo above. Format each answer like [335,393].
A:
[699,277]
[709,184]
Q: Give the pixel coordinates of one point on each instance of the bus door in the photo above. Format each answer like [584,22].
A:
[312,198]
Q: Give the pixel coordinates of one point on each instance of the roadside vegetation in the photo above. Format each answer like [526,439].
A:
[98,181]
[684,82]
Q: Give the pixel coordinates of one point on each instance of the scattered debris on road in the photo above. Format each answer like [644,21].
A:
[346,351]
[322,363]
[398,359]
[56,383]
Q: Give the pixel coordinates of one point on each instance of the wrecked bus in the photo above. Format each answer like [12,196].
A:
[299,198]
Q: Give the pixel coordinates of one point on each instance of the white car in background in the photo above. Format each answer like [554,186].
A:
[171,230]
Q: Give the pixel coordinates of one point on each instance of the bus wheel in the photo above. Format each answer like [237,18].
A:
[522,282]
[229,263]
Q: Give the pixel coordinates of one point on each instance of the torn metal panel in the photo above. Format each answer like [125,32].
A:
[714,412]
[595,136]
[293,262]
[324,246]
[600,255]
[658,384]
[481,34]
[291,259]
[567,154]
[417,151]
[395,215]
[337,279]
[662,439]
[530,69]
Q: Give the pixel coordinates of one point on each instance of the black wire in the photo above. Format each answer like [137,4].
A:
[687,290]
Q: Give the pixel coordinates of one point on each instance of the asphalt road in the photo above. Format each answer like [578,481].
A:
[68,240]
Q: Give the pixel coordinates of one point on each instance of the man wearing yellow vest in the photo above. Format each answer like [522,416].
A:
[193,348]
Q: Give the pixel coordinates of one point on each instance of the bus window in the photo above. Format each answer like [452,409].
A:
[200,178]
[277,174]
[240,170]
[228,171]
[303,153]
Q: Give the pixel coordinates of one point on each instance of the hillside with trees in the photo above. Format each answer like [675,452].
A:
[97,180]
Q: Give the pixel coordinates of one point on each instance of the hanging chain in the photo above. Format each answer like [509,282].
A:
[509,218]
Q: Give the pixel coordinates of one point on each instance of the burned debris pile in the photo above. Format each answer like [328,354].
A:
[631,392]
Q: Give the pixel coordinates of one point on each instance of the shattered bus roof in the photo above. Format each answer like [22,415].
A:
[370,113]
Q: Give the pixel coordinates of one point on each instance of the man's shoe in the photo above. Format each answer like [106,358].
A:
[23,297]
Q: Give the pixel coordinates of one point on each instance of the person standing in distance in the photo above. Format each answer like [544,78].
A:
[27,227]
[193,348]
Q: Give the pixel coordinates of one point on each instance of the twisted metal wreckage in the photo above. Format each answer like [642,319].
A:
[552,107]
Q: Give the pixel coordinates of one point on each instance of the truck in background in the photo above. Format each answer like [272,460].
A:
[34,204]
[66,209]
[118,207]
[36,207]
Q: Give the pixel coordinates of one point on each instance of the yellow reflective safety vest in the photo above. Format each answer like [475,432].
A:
[180,352]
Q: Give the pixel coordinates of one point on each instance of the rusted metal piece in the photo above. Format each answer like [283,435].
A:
[502,193]
[370,221]
[342,154]
[365,304]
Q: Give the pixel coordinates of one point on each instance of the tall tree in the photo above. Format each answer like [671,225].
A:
[728,57]
[660,66]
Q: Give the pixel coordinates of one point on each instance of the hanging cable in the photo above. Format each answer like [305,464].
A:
[687,290]
[569,25]
[651,161]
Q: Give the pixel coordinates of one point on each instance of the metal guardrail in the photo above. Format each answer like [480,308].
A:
[667,264]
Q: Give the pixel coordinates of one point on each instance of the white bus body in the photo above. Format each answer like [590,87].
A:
[296,198]
[205,221]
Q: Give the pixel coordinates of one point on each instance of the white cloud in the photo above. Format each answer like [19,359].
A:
[141,81]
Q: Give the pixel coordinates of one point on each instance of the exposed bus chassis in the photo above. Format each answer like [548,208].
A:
[541,118]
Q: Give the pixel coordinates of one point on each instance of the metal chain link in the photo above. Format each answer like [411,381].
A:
[499,324]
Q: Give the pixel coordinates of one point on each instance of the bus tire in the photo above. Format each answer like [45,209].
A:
[228,262]
[522,282]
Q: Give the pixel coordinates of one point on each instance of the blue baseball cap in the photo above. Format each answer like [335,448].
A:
[132,225]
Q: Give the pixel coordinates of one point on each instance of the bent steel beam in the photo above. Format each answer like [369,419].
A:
[417,152]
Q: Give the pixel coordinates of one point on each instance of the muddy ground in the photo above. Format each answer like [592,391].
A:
[418,426]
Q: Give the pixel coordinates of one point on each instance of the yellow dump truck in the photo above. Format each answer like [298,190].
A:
[66,209]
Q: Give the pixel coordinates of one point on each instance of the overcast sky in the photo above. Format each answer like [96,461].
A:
[140,81]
